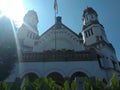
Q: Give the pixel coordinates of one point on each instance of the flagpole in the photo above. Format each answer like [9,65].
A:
[55,34]
[55,8]
[56,11]
[55,30]
[55,18]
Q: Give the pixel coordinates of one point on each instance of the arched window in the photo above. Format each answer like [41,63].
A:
[31,76]
[77,74]
[58,78]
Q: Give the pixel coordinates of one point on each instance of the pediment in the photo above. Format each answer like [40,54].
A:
[60,28]
[59,37]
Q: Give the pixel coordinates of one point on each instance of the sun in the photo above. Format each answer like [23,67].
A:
[14,9]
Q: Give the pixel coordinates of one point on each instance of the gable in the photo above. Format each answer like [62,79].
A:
[59,37]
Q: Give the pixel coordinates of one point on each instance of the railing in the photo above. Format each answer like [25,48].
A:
[48,56]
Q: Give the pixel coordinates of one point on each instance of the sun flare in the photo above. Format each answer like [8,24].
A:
[14,9]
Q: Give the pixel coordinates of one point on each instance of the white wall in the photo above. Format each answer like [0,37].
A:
[64,40]
[66,69]
[97,31]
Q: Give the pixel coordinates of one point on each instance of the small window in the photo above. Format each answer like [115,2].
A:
[106,57]
[33,36]
[87,18]
[30,35]
[91,31]
[86,35]
[114,65]
[101,38]
[92,16]
[97,38]
[103,44]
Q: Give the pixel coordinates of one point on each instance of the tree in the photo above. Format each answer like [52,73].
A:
[8,48]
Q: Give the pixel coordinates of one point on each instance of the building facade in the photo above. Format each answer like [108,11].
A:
[62,54]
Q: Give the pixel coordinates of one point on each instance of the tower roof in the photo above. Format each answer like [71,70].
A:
[31,20]
[89,10]
[29,15]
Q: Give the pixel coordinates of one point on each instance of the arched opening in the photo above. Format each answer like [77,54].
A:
[31,76]
[77,74]
[58,78]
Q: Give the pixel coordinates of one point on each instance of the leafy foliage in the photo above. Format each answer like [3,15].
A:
[73,85]
[49,84]
[66,85]
[88,84]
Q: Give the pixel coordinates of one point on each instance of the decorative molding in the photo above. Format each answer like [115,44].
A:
[59,55]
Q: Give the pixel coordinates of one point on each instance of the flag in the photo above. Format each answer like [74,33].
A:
[55,6]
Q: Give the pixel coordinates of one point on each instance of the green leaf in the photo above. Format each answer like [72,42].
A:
[114,82]
[73,85]
[88,84]
[51,83]
[66,85]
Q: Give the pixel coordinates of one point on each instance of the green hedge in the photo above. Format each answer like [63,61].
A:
[49,84]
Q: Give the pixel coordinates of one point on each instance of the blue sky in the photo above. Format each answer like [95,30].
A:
[71,12]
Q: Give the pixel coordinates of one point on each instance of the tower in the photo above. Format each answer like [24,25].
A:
[93,32]
[94,37]
[28,33]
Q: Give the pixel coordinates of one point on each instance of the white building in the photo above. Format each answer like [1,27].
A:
[61,53]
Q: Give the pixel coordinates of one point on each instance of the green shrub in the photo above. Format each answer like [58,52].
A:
[49,84]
